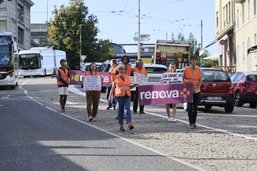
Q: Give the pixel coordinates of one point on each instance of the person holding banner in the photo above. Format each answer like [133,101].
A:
[139,70]
[112,71]
[168,80]
[92,96]
[63,78]
[193,75]
[121,89]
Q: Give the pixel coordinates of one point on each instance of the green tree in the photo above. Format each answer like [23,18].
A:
[66,27]
[181,37]
[194,44]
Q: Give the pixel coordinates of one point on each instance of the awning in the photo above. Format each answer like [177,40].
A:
[213,42]
[252,49]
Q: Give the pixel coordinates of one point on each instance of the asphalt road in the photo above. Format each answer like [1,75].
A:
[37,137]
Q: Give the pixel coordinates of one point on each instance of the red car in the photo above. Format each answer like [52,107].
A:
[217,90]
[245,88]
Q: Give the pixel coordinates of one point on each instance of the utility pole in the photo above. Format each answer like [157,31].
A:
[139,41]
[201,34]
[80,40]
[201,58]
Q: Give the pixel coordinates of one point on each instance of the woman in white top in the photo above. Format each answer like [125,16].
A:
[172,68]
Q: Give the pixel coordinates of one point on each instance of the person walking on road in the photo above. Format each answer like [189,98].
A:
[139,69]
[171,69]
[92,97]
[193,75]
[63,77]
[112,71]
[121,88]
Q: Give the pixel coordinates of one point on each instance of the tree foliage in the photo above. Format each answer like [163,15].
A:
[72,29]
[1,1]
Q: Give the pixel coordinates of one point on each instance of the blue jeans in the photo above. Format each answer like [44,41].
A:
[124,106]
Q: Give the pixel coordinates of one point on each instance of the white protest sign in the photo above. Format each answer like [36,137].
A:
[91,83]
[132,80]
[172,78]
[140,78]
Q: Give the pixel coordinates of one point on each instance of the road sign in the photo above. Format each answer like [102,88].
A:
[143,37]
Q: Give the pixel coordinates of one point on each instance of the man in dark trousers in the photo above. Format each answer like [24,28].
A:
[193,75]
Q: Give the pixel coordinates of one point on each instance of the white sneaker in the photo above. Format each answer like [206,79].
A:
[170,119]
[174,120]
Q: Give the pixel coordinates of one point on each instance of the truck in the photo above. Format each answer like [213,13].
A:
[170,51]
[39,61]
[9,64]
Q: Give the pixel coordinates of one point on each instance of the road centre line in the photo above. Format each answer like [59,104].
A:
[110,133]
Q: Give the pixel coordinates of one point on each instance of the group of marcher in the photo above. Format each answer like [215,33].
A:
[119,93]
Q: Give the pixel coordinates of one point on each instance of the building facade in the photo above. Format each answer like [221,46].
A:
[39,34]
[246,34]
[225,33]
[236,32]
[15,18]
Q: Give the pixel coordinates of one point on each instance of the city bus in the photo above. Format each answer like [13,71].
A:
[9,64]
[39,61]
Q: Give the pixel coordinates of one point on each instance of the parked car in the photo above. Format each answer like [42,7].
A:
[217,90]
[245,88]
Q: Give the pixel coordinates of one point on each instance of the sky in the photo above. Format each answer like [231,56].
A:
[118,19]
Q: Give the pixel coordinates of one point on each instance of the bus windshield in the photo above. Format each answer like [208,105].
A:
[5,40]
[4,56]
[29,61]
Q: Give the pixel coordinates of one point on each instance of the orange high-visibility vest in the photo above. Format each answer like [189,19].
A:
[193,76]
[122,87]
[140,71]
[113,70]
[64,73]
[129,70]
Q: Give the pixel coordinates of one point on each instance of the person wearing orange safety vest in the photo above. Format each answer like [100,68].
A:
[112,71]
[93,97]
[193,75]
[121,89]
[140,70]
[128,69]
[63,77]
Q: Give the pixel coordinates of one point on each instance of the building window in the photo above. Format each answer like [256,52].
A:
[243,13]
[3,25]
[237,18]
[20,13]
[20,36]
[255,38]
[254,7]
[224,17]
[217,20]
[243,52]
[237,53]
[249,10]
[229,13]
